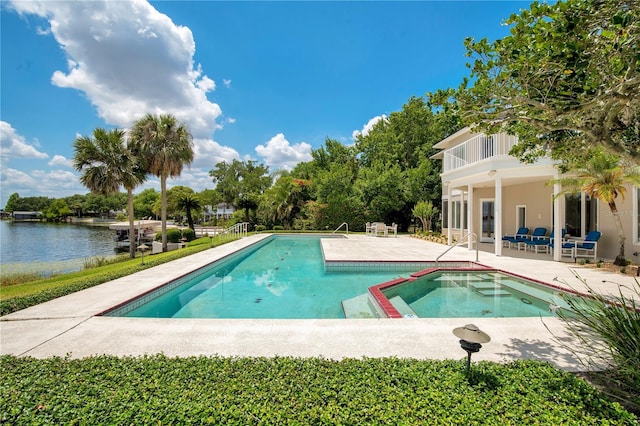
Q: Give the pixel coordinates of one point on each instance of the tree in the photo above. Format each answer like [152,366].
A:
[57,210]
[166,146]
[604,178]
[12,203]
[106,164]
[241,183]
[76,203]
[184,199]
[401,147]
[425,211]
[566,79]
[285,200]
[144,201]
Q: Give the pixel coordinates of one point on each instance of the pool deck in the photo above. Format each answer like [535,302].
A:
[70,325]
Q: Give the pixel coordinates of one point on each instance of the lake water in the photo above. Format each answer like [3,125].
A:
[51,248]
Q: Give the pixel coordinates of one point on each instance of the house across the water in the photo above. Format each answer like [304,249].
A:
[23,216]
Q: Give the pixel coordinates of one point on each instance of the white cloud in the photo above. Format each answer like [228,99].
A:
[59,160]
[208,153]
[278,153]
[368,127]
[231,120]
[13,145]
[129,60]
[36,183]
[227,83]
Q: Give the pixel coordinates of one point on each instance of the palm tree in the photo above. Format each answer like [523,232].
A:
[189,203]
[106,164]
[603,177]
[166,145]
[183,199]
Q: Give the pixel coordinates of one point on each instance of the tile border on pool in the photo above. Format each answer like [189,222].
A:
[383,265]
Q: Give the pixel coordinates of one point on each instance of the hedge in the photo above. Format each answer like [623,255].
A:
[295,391]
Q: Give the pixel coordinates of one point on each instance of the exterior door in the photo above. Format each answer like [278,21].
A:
[488,223]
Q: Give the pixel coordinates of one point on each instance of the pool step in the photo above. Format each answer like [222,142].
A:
[489,289]
[402,307]
[495,292]
[359,307]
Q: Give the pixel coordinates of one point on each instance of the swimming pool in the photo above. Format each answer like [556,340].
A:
[281,277]
[467,294]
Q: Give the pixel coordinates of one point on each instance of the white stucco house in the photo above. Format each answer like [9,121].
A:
[489,193]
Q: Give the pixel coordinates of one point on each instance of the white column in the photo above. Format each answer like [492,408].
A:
[558,221]
[463,212]
[449,214]
[498,217]
[470,210]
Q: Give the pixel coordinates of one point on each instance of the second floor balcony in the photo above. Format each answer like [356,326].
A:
[476,149]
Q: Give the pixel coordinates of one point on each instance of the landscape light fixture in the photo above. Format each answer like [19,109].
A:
[471,338]
[142,248]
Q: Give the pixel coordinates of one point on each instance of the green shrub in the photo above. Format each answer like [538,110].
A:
[260,228]
[282,390]
[607,329]
[278,228]
[175,235]
[189,234]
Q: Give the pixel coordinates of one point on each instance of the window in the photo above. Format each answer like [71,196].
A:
[580,214]
[457,217]
[521,216]
[456,214]
[445,213]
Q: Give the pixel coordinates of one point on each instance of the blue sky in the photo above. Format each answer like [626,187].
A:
[266,81]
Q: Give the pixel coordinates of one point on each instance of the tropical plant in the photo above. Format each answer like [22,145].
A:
[166,146]
[183,199]
[566,79]
[603,177]
[106,164]
[425,211]
[607,332]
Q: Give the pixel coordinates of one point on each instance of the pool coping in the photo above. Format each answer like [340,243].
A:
[70,325]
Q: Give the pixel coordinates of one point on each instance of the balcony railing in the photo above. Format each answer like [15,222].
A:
[477,149]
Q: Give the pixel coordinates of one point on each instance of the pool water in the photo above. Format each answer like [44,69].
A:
[282,278]
[470,294]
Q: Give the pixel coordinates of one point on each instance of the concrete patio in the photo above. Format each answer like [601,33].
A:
[71,325]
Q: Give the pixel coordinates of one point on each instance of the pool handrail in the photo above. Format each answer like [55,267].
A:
[343,223]
[460,242]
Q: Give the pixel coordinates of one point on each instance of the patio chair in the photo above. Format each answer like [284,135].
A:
[543,244]
[584,248]
[368,229]
[380,228]
[393,228]
[539,233]
[521,235]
